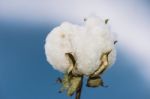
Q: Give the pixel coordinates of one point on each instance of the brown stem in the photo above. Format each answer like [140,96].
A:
[79,90]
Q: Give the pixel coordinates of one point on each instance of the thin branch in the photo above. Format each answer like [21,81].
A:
[79,90]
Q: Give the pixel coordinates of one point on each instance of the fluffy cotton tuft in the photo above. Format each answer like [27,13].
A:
[86,43]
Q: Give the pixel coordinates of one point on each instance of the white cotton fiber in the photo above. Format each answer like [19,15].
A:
[86,43]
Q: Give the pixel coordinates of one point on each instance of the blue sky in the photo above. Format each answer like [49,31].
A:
[24,25]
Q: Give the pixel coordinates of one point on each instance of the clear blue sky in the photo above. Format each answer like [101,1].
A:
[25,73]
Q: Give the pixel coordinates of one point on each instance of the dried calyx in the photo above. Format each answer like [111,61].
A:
[72,80]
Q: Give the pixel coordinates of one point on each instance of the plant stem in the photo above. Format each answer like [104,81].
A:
[79,90]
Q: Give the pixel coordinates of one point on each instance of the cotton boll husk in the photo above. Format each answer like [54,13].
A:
[87,43]
[112,57]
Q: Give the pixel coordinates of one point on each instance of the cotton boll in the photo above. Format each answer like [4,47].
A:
[90,45]
[85,51]
[102,41]
[87,43]
[57,44]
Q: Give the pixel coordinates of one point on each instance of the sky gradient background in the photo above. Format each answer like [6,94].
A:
[24,25]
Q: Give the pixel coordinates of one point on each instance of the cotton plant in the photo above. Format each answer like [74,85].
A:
[81,51]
